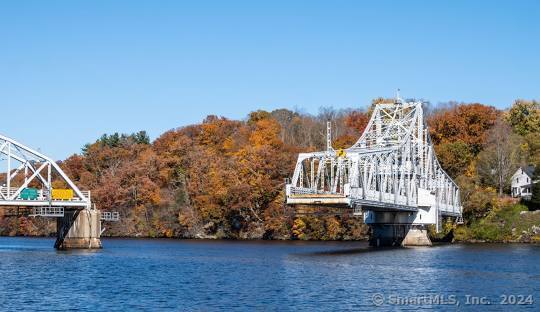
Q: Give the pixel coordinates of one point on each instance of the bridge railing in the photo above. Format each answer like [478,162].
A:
[356,193]
[298,191]
[57,212]
[353,193]
[110,216]
[42,195]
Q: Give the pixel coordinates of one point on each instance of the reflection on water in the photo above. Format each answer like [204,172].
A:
[212,275]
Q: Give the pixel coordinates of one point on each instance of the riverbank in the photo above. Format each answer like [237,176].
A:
[511,223]
[505,224]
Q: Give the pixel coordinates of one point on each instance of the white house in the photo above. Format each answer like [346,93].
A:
[522,182]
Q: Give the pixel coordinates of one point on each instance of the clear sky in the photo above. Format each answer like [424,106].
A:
[73,70]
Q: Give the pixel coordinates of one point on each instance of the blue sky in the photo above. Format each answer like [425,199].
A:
[73,70]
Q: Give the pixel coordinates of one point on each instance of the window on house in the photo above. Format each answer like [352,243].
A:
[527,180]
[517,180]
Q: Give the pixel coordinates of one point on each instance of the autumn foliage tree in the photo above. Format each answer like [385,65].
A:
[459,132]
[220,178]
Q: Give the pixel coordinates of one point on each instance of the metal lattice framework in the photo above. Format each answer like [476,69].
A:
[25,168]
[392,167]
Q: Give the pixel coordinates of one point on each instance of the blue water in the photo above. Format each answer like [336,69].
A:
[223,275]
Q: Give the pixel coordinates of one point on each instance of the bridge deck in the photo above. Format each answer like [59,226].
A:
[372,200]
[41,200]
[44,203]
[341,200]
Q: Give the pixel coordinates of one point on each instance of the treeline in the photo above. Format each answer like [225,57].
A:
[222,178]
[225,178]
[481,148]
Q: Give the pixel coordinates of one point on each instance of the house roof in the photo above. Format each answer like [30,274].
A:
[529,170]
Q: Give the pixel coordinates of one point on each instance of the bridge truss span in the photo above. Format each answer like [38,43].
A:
[32,184]
[27,179]
[392,167]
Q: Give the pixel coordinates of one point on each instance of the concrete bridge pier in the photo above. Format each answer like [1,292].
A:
[398,235]
[79,229]
[399,228]
[417,236]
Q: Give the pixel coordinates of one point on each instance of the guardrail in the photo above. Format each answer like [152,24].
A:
[370,195]
[48,212]
[43,195]
[110,216]
[307,191]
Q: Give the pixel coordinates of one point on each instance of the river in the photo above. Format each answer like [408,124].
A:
[187,275]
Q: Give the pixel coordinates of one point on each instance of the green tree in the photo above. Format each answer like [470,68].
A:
[477,201]
[257,116]
[454,157]
[298,230]
[531,149]
[524,117]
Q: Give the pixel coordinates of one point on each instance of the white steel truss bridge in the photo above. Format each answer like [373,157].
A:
[33,181]
[27,179]
[391,168]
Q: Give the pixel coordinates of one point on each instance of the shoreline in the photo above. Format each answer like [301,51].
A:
[209,239]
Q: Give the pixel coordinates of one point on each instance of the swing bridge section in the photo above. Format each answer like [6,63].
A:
[390,176]
[29,185]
